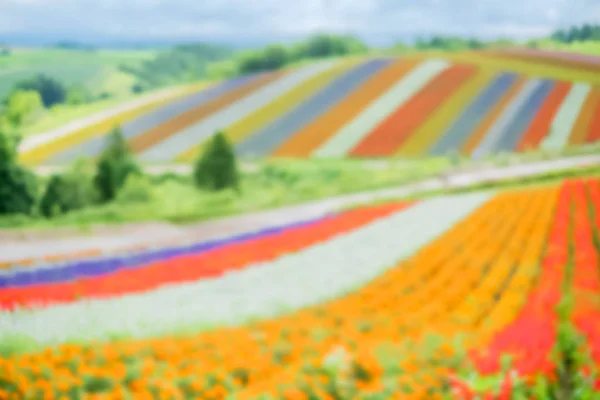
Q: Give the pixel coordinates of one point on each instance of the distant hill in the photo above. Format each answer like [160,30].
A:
[95,69]
[184,63]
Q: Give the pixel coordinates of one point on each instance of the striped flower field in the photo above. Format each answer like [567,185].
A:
[339,307]
[474,104]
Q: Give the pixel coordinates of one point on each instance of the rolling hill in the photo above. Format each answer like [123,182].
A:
[97,70]
[475,104]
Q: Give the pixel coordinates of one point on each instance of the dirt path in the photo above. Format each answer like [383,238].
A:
[18,245]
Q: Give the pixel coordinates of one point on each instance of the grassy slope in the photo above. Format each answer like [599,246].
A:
[277,183]
[590,47]
[97,70]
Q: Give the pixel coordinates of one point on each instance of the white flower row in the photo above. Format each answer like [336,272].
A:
[313,275]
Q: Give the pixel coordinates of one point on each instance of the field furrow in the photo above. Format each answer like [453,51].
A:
[158,133]
[419,143]
[565,117]
[588,110]
[264,142]
[541,124]
[252,125]
[94,146]
[461,129]
[315,133]
[183,140]
[515,130]
[352,133]
[392,133]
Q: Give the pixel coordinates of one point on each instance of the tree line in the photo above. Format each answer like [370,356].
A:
[188,63]
[185,63]
[583,33]
[113,176]
[277,56]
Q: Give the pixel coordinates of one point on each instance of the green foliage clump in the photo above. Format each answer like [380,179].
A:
[449,43]
[318,46]
[78,95]
[51,91]
[216,169]
[586,32]
[138,88]
[183,63]
[271,58]
[114,166]
[23,106]
[70,191]
[197,61]
[56,197]
[321,45]
[137,189]
[18,186]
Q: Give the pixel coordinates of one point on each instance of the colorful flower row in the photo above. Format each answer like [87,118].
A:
[459,265]
[530,339]
[261,281]
[71,270]
[360,107]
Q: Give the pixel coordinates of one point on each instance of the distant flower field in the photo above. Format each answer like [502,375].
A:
[387,301]
[474,104]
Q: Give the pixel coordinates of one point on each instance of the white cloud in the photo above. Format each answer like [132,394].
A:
[272,20]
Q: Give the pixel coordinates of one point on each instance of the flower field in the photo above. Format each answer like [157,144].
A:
[391,301]
[414,106]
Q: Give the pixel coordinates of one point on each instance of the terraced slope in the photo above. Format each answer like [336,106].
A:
[357,287]
[475,104]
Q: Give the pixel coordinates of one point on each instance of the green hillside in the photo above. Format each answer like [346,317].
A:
[97,70]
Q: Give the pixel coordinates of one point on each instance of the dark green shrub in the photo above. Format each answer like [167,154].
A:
[70,191]
[216,169]
[138,88]
[137,189]
[18,186]
[79,95]
[114,166]
[54,201]
[52,91]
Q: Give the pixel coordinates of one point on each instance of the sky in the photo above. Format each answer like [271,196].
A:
[257,22]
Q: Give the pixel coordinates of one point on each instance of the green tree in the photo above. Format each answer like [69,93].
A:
[18,186]
[114,166]
[322,45]
[275,57]
[52,91]
[216,168]
[72,190]
[23,106]
[583,33]
[54,200]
